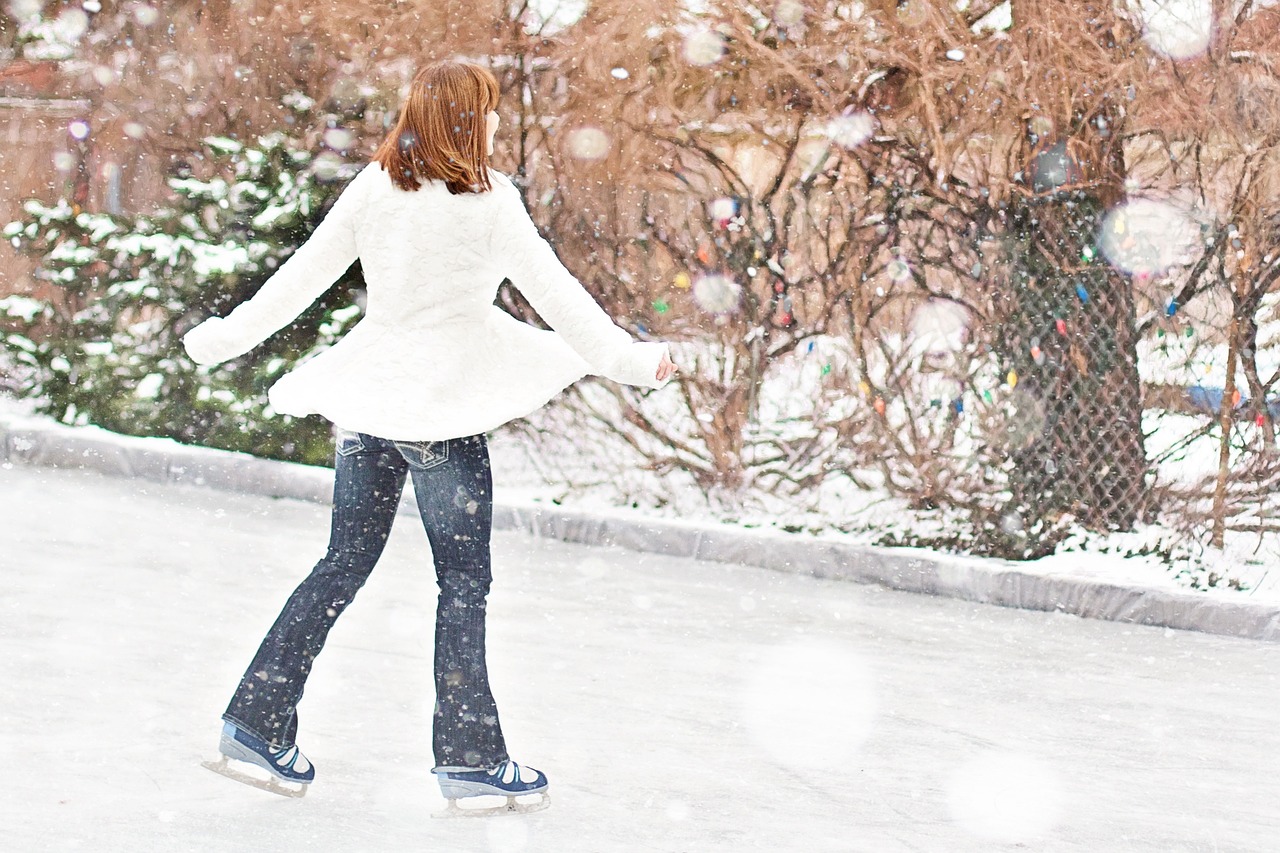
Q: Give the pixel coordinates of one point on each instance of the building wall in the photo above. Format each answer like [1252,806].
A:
[98,166]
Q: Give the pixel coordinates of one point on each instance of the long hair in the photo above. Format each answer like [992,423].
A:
[440,132]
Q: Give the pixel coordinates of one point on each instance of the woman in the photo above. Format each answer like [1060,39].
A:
[413,389]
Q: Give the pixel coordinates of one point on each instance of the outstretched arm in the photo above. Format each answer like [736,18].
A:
[531,264]
[307,274]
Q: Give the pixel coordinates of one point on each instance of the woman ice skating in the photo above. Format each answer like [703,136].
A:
[412,390]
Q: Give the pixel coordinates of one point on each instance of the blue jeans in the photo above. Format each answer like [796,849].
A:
[454,489]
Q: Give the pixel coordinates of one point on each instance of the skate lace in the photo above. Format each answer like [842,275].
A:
[287,758]
[510,772]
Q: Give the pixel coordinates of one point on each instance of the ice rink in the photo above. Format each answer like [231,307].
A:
[675,706]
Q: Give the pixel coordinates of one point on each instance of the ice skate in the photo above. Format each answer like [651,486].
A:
[248,759]
[508,780]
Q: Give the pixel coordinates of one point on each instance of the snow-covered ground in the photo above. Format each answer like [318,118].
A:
[675,705]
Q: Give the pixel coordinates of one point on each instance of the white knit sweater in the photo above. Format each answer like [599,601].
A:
[433,357]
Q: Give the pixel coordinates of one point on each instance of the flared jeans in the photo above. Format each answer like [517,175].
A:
[454,490]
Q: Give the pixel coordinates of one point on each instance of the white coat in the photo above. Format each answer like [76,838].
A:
[433,358]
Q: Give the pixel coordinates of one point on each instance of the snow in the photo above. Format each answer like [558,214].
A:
[21,306]
[674,705]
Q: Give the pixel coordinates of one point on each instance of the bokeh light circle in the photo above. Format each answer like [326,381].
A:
[717,294]
[72,24]
[788,13]
[852,130]
[1147,236]
[589,143]
[339,138]
[810,704]
[898,270]
[721,209]
[328,165]
[21,10]
[703,47]
[1005,797]
[1025,418]
[1178,29]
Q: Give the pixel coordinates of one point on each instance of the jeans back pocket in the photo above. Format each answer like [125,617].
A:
[348,443]
[423,455]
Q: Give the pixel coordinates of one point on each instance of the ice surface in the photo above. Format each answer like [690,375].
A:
[130,609]
[1006,797]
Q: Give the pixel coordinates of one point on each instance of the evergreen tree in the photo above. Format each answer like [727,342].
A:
[105,347]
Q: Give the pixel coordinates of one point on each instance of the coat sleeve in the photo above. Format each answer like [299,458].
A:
[532,266]
[307,274]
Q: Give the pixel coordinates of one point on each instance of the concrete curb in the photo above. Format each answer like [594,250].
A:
[32,442]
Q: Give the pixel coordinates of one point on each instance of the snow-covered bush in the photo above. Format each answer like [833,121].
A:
[102,343]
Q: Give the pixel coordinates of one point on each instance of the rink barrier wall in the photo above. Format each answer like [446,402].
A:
[33,442]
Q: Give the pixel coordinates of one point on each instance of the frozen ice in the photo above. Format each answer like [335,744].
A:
[1178,29]
[631,713]
[79,129]
[1005,797]
[1148,236]
[703,47]
[589,143]
[620,73]
[716,294]
[810,704]
[507,836]
[593,568]
[678,810]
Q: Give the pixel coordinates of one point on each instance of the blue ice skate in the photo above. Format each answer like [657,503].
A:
[508,780]
[286,764]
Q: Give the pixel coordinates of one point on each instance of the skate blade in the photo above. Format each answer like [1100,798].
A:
[223,768]
[511,806]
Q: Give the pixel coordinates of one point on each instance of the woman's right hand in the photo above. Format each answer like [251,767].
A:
[666,369]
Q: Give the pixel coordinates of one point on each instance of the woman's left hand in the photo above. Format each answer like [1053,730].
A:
[666,369]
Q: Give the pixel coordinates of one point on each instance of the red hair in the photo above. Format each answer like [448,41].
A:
[441,131]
